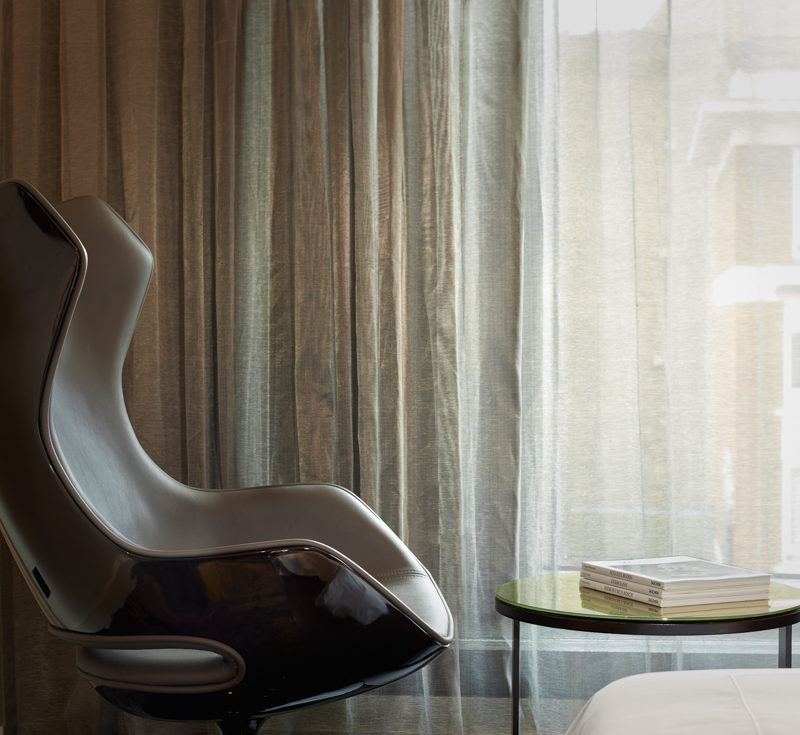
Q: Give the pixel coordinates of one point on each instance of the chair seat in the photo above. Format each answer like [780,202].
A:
[418,591]
[719,702]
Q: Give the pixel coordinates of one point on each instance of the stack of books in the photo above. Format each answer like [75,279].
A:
[674,582]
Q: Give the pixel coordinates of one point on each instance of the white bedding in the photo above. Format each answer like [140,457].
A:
[719,702]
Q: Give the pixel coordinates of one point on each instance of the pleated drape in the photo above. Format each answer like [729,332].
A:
[300,325]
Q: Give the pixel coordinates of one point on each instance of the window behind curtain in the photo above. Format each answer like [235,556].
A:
[679,279]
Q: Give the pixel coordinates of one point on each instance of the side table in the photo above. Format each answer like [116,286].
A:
[557,601]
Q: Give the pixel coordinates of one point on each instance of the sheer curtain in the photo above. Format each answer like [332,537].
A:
[521,274]
[671,377]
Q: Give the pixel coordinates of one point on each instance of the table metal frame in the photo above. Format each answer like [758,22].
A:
[781,620]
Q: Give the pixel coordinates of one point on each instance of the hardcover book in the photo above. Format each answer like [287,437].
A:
[672,573]
[625,586]
[611,604]
[680,600]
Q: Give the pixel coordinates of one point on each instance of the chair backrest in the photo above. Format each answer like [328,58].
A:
[87,426]
[85,423]
[62,555]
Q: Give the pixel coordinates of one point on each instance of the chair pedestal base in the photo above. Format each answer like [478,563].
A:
[239,726]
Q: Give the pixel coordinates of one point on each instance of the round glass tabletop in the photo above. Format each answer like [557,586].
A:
[558,600]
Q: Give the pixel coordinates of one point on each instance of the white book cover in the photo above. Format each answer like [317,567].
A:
[676,572]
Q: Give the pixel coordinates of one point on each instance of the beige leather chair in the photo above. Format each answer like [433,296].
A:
[182,603]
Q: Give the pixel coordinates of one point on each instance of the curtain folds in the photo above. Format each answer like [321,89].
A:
[520,274]
[294,168]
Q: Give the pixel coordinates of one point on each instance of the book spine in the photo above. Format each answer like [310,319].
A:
[616,605]
[626,576]
[621,592]
[623,583]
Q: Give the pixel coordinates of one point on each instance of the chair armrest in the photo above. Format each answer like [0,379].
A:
[155,663]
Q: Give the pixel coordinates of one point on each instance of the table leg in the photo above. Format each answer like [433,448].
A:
[785,647]
[515,682]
